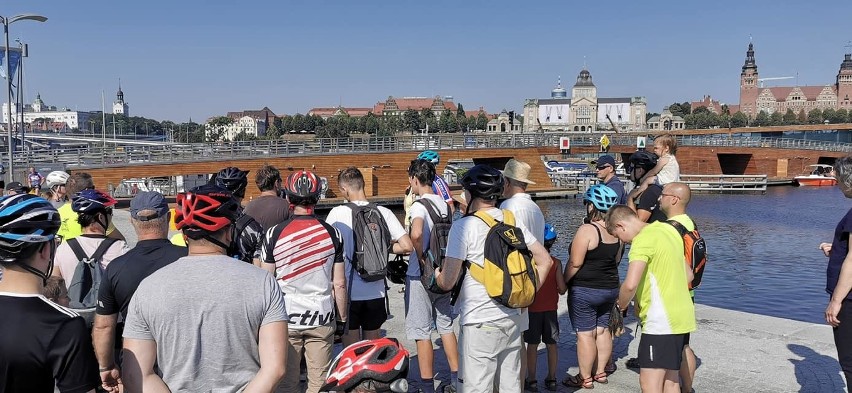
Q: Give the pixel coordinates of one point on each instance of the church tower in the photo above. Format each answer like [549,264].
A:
[844,82]
[748,84]
[119,107]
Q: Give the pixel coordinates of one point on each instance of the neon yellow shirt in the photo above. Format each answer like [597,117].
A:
[178,239]
[665,306]
[70,228]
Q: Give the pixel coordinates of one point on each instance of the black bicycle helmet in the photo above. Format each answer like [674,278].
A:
[302,188]
[642,159]
[91,201]
[25,220]
[483,181]
[234,180]
[397,270]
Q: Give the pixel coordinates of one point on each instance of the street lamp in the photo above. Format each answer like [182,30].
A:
[6,22]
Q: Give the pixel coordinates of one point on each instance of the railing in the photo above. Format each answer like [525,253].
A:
[573,181]
[97,156]
[726,183]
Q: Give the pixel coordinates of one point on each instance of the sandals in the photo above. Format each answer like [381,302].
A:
[530,386]
[601,378]
[551,385]
[576,381]
[610,368]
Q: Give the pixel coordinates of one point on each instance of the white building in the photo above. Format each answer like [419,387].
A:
[248,124]
[48,118]
[584,110]
[119,107]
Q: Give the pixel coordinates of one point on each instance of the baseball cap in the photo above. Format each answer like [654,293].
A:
[604,161]
[148,200]
[17,187]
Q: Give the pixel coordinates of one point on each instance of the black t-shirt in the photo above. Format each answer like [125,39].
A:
[43,344]
[650,201]
[124,273]
[268,210]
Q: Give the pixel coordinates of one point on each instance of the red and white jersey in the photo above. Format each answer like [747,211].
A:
[304,250]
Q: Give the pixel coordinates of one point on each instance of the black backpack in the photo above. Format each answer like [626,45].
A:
[372,242]
[433,257]
[86,281]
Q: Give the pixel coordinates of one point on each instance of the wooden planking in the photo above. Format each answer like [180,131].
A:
[390,170]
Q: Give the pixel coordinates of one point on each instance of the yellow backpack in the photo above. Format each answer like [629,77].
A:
[508,274]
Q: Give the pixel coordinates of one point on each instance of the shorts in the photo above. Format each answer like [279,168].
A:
[426,311]
[544,326]
[663,351]
[590,307]
[367,314]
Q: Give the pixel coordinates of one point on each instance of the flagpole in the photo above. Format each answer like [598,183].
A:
[103,119]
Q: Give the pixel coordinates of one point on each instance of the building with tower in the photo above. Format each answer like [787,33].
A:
[755,98]
[583,111]
[43,117]
[119,106]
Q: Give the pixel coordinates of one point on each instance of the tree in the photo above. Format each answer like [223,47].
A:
[726,110]
[649,115]
[460,112]
[762,119]
[801,118]
[776,119]
[680,109]
[447,122]
[299,122]
[829,114]
[427,117]
[217,126]
[843,116]
[371,123]
[789,117]
[700,109]
[411,121]
[815,116]
[243,136]
[739,119]
[481,122]
[286,124]
[273,132]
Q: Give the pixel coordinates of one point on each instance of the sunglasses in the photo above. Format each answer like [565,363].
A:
[600,168]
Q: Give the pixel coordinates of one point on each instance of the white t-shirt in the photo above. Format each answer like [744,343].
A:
[341,218]
[466,241]
[527,213]
[66,261]
[419,211]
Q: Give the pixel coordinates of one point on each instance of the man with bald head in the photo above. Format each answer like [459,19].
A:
[673,202]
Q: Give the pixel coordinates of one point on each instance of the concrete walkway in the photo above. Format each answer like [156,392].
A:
[737,351]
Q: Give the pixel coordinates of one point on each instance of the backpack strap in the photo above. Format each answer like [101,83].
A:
[103,248]
[78,250]
[678,226]
[432,209]
[508,217]
[490,221]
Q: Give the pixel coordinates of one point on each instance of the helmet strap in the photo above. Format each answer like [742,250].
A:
[43,275]
[101,223]
[212,239]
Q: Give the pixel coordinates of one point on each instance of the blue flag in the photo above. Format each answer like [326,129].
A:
[15,55]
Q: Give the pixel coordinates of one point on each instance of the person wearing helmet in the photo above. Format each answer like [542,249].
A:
[94,214]
[592,277]
[646,205]
[70,227]
[247,231]
[490,334]
[42,345]
[206,322]
[369,366]
[439,186]
[367,299]
[517,179]
[544,322]
[306,256]
[56,183]
[427,311]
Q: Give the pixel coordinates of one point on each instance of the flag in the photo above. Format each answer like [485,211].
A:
[15,55]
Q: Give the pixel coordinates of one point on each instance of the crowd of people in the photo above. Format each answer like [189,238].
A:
[185,314]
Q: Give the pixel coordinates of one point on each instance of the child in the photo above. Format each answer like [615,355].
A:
[56,292]
[544,325]
[667,169]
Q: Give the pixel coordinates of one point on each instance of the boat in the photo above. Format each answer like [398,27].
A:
[821,175]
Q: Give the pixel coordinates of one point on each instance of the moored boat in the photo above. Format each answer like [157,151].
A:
[822,175]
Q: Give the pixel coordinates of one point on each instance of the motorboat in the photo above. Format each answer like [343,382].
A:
[821,175]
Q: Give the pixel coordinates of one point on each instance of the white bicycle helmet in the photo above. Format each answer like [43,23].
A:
[56,178]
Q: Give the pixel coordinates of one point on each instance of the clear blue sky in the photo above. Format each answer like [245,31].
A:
[187,58]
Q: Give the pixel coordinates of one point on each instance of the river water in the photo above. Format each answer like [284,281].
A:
[762,249]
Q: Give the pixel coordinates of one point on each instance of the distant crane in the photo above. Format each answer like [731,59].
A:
[777,78]
[614,127]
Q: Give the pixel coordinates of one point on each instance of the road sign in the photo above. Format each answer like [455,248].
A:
[564,143]
[640,142]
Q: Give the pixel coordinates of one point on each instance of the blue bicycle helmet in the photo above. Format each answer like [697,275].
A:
[25,220]
[431,156]
[601,197]
[550,235]
[91,201]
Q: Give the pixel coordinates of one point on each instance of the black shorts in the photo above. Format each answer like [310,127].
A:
[367,314]
[661,350]
[544,326]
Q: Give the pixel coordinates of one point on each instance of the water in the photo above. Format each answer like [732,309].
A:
[762,249]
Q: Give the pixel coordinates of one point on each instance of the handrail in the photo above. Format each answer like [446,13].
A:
[99,156]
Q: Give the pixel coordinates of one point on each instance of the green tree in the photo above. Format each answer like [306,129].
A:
[299,122]
[739,119]
[801,118]
[700,109]
[371,123]
[649,115]
[815,116]
[243,136]
[829,114]
[776,119]
[444,123]
[411,121]
[286,124]
[843,116]
[273,132]
[460,112]
[481,122]
[789,117]
[725,109]
[217,126]
[762,119]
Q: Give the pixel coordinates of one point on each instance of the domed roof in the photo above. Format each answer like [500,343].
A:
[584,79]
[558,91]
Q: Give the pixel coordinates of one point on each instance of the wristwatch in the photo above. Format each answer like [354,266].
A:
[102,369]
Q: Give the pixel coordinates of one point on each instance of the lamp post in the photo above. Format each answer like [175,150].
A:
[6,22]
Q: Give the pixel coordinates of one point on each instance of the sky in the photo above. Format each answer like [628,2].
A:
[183,59]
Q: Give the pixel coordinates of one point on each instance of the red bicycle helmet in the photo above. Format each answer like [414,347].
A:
[382,363]
[91,201]
[206,208]
[302,188]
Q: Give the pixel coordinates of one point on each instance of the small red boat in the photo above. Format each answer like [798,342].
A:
[822,175]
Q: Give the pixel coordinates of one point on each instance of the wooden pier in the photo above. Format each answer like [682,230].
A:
[723,184]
